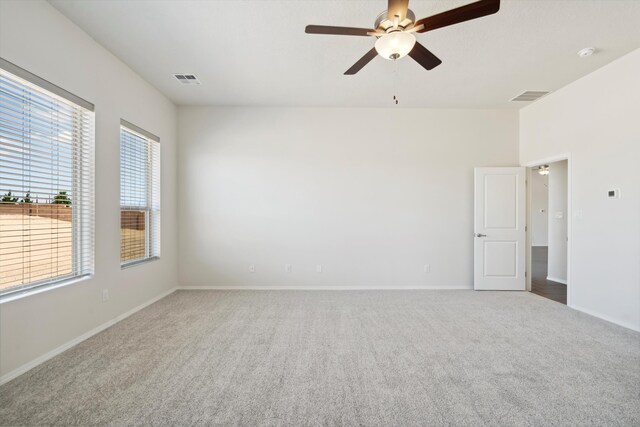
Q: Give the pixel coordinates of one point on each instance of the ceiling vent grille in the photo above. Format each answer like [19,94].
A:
[530,95]
[187,79]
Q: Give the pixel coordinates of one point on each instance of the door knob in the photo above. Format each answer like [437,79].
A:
[480,235]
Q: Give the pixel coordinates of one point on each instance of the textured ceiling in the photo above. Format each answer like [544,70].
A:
[255,52]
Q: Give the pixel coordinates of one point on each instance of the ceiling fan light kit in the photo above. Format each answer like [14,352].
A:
[395,45]
[543,170]
[395,31]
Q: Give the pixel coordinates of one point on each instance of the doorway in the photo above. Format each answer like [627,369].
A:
[549,229]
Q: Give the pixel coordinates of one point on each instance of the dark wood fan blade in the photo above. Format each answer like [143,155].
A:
[397,7]
[460,14]
[338,31]
[362,62]
[424,57]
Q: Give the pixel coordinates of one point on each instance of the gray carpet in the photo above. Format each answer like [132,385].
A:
[380,358]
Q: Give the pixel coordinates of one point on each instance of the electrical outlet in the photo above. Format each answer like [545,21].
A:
[252,268]
[426,268]
[319,268]
[105,295]
[287,268]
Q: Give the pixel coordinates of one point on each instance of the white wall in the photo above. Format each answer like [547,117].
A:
[595,119]
[370,194]
[38,38]
[558,231]
[539,209]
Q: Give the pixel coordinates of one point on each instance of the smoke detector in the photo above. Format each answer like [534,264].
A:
[587,51]
[187,79]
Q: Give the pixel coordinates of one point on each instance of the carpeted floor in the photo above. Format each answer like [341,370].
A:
[381,358]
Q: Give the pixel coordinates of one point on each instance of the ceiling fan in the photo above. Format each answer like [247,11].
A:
[395,27]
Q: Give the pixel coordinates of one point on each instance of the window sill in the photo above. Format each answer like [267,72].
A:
[19,294]
[138,262]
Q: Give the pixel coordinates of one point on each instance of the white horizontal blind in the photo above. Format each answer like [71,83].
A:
[139,195]
[46,185]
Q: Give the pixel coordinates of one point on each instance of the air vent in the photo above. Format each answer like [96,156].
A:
[530,95]
[187,79]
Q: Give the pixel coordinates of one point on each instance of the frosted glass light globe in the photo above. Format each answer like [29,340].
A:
[395,45]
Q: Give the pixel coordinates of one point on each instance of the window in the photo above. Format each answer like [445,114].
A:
[139,195]
[46,182]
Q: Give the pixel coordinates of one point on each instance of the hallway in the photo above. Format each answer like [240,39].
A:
[539,284]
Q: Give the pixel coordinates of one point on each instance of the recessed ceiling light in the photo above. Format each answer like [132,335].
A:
[587,51]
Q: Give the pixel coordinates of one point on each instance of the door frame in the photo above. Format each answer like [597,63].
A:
[528,233]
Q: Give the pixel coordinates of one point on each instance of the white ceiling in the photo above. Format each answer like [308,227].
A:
[253,52]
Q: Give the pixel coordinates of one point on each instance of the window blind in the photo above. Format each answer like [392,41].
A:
[46,183]
[139,195]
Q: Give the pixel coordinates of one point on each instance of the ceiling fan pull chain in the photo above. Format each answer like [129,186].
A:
[395,81]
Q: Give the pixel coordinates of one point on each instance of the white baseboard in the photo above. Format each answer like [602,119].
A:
[37,361]
[607,318]
[553,279]
[319,288]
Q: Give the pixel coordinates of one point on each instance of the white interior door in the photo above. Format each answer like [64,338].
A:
[499,223]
